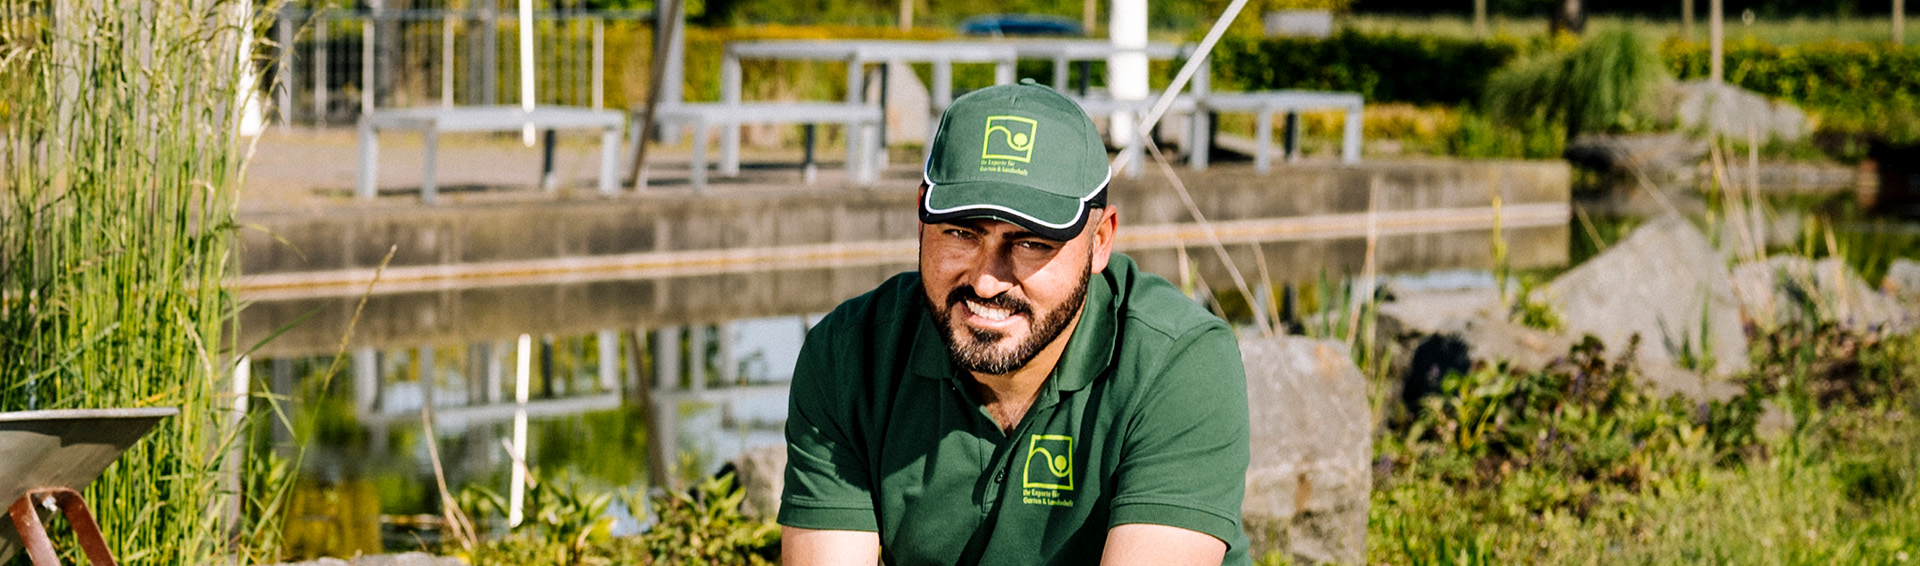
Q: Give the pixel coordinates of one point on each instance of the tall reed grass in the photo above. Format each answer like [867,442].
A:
[120,167]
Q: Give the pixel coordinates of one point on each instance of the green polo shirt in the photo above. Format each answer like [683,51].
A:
[1143,421]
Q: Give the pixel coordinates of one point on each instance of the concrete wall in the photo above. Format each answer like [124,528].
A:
[500,308]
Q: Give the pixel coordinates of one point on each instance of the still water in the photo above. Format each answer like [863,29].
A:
[632,385]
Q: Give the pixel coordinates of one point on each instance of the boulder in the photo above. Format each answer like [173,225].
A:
[1738,113]
[1903,280]
[1664,283]
[1450,331]
[408,559]
[762,472]
[1786,289]
[1664,158]
[1309,480]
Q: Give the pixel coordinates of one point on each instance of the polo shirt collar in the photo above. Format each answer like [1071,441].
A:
[1089,351]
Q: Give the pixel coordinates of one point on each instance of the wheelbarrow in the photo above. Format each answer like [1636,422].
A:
[47,458]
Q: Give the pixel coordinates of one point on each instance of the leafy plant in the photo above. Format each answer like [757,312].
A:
[707,527]
[1603,85]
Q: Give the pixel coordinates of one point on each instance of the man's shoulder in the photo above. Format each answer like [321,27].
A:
[1152,305]
[886,309]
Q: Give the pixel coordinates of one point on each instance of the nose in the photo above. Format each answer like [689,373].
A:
[992,273]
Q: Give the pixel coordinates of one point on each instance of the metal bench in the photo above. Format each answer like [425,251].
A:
[431,122]
[1263,104]
[861,123]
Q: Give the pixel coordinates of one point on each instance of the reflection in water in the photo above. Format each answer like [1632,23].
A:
[631,384]
[613,410]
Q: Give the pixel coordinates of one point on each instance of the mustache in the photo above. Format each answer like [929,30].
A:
[1002,301]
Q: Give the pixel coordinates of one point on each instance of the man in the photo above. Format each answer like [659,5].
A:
[1028,397]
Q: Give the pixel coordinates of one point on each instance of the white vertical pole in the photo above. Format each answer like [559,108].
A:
[366,65]
[1716,33]
[236,456]
[526,68]
[1127,70]
[446,62]
[517,492]
[599,61]
[1480,19]
[1899,22]
[609,346]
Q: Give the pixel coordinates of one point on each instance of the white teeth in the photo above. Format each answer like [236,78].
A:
[989,313]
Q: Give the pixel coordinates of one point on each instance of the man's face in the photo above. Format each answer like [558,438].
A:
[1001,294]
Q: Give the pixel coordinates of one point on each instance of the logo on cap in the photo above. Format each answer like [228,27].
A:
[1010,138]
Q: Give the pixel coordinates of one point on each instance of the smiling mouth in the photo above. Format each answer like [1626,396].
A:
[995,314]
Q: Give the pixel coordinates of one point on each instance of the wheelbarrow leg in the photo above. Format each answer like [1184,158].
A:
[33,534]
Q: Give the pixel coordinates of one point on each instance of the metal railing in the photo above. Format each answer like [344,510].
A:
[334,65]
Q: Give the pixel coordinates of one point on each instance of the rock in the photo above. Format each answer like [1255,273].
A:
[1780,291]
[1309,480]
[1738,113]
[408,559]
[762,473]
[1903,280]
[1450,331]
[1666,284]
[1663,158]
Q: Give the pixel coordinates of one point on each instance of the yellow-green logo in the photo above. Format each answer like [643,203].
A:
[1049,462]
[1009,137]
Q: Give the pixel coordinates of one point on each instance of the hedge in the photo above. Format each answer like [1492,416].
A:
[1851,85]
[1385,68]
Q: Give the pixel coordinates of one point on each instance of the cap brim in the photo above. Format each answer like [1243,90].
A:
[1052,216]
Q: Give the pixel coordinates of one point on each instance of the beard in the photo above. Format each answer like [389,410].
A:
[980,351]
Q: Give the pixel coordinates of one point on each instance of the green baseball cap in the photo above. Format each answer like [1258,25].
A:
[1020,153]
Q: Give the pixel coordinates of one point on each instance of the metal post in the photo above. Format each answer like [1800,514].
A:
[697,357]
[1716,33]
[729,371]
[446,62]
[1292,133]
[320,70]
[488,67]
[366,382]
[428,373]
[666,356]
[599,61]
[1899,22]
[1263,138]
[1480,19]
[608,343]
[674,76]
[366,66]
[430,153]
[285,75]
[1686,20]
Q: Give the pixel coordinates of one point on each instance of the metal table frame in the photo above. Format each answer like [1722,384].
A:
[433,121]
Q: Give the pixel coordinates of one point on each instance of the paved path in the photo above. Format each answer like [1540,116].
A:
[305,168]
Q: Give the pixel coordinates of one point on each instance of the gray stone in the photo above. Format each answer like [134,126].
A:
[408,559]
[1309,480]
[1298,23]
[1663,158]
[1903,280]
[762,473]
[1664,283]
[1738,113]
[1780,290]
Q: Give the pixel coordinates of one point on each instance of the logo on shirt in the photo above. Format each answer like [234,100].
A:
[1049,462]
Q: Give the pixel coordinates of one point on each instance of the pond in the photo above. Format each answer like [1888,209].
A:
[631,384]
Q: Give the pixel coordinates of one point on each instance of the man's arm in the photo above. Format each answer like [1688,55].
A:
[1145,544]
[810,547]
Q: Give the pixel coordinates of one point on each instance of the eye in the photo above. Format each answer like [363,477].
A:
[1035,246]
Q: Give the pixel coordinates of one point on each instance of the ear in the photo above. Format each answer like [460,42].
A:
[1108,223]
[920,198]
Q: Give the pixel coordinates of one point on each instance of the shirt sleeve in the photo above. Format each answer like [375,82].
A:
[1185,460]
[827,483]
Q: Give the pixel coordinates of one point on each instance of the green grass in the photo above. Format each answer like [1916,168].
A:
[119,165]
[1772,31]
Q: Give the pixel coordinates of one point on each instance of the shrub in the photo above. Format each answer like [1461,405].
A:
[1604,85]
[1382,68]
